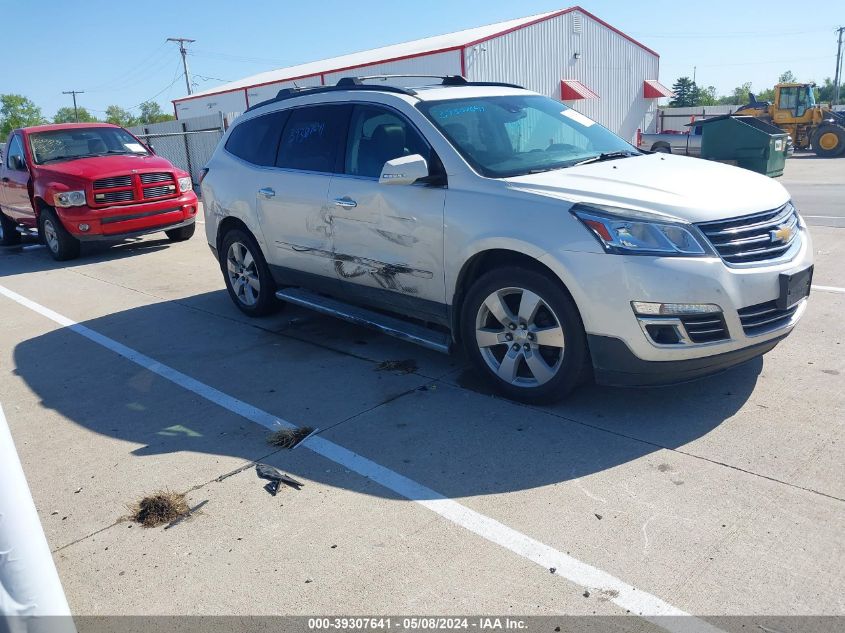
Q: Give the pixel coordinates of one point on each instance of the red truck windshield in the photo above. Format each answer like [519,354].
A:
[61,145]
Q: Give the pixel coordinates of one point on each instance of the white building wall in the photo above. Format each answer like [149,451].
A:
[541,55]
[211,104]
[448,63]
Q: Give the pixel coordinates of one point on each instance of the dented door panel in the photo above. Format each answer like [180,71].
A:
[392,239]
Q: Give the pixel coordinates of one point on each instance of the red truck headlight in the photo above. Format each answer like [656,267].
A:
[70,199]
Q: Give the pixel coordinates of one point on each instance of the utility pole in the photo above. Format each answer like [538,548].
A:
[82,92]
[838,78]
[184,51]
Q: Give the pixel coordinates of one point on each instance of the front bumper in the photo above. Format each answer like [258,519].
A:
[603,287]
[132,219]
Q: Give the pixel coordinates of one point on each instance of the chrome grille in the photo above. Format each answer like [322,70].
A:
[705,328]
[158,192]
[114,181]
[148,179]
[114,196]
[753,238]
[764,317]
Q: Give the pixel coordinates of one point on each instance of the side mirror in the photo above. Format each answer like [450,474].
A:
[405,170]
[18,163]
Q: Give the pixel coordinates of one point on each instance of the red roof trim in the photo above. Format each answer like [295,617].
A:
[573,90]
[653,89]
[434,52]
[325,72]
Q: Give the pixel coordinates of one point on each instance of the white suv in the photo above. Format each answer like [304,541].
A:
[493,217]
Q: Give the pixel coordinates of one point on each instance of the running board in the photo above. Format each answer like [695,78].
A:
[392,326]
[25,231]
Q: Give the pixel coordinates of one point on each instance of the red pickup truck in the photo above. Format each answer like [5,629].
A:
[76,182]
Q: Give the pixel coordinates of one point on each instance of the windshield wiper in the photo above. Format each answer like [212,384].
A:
[74,157]
[605,156]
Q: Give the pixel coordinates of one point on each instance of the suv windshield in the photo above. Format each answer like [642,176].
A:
[70,144]
[516,135]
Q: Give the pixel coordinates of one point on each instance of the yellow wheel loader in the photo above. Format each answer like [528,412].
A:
[795,111]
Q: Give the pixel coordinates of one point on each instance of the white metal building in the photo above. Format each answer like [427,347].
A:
[568,54]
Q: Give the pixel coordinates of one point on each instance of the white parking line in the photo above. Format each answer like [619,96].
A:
[829,289]
[627,596]
[824,217]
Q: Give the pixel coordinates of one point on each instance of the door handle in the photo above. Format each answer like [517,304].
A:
[346,202]
[267,192]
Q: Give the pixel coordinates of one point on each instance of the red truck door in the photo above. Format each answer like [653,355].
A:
[14,180]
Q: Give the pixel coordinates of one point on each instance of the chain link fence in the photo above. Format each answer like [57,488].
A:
[187,144]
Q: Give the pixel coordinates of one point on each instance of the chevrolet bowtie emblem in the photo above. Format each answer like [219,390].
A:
[781,234]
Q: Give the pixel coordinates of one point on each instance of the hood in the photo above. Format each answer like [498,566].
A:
[105,166]
[691,189]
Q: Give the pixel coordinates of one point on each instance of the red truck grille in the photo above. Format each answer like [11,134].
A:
[134,188]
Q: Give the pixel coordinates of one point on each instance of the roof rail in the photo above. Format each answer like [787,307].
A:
[357,83]
[445,80]
[346,83]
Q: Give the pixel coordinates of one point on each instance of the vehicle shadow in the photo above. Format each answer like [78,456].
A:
[91,253]
[450,438]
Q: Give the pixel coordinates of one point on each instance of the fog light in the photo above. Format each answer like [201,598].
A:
[84,227]
[663,334]
[663,309]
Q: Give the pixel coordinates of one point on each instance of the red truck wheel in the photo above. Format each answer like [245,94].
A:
[60,244]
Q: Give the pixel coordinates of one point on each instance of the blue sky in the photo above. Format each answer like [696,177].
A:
[116,50]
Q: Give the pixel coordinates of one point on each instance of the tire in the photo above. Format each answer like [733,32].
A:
[244,267]
[516,363]
[182,234]
[829,141]
[662,149]
[9,235]
[61,245]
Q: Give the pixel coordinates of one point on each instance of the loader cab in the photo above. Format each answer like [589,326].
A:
[794,100]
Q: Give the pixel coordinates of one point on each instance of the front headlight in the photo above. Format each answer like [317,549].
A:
[629,232]
[185,184]
[70,199]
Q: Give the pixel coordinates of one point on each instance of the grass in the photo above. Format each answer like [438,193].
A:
[288,438]
[408,366]
[158,508]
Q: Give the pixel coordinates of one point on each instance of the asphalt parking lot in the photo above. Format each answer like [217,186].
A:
[129,370]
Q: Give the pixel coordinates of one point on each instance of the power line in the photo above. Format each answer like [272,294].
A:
[184,52]
[723,35]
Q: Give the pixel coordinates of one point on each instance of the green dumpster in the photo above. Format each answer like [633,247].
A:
[744,141]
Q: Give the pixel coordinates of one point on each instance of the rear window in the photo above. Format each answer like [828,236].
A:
[257,140]
[313,137]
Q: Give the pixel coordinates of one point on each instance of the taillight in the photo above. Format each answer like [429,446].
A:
[639,137]
[203,174]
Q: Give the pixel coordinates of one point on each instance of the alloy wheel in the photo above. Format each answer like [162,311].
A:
[520,337]
[243,273]
[51,236]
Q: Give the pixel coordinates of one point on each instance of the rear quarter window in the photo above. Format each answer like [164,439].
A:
[313,138]
[257,140]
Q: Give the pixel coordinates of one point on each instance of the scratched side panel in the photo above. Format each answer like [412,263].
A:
[392,239]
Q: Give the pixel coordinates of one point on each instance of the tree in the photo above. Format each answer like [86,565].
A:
[67,115]
[119,116]
[686,93]
[738,96]
[17,111]
[707,96]
[151,112]
[787,78]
